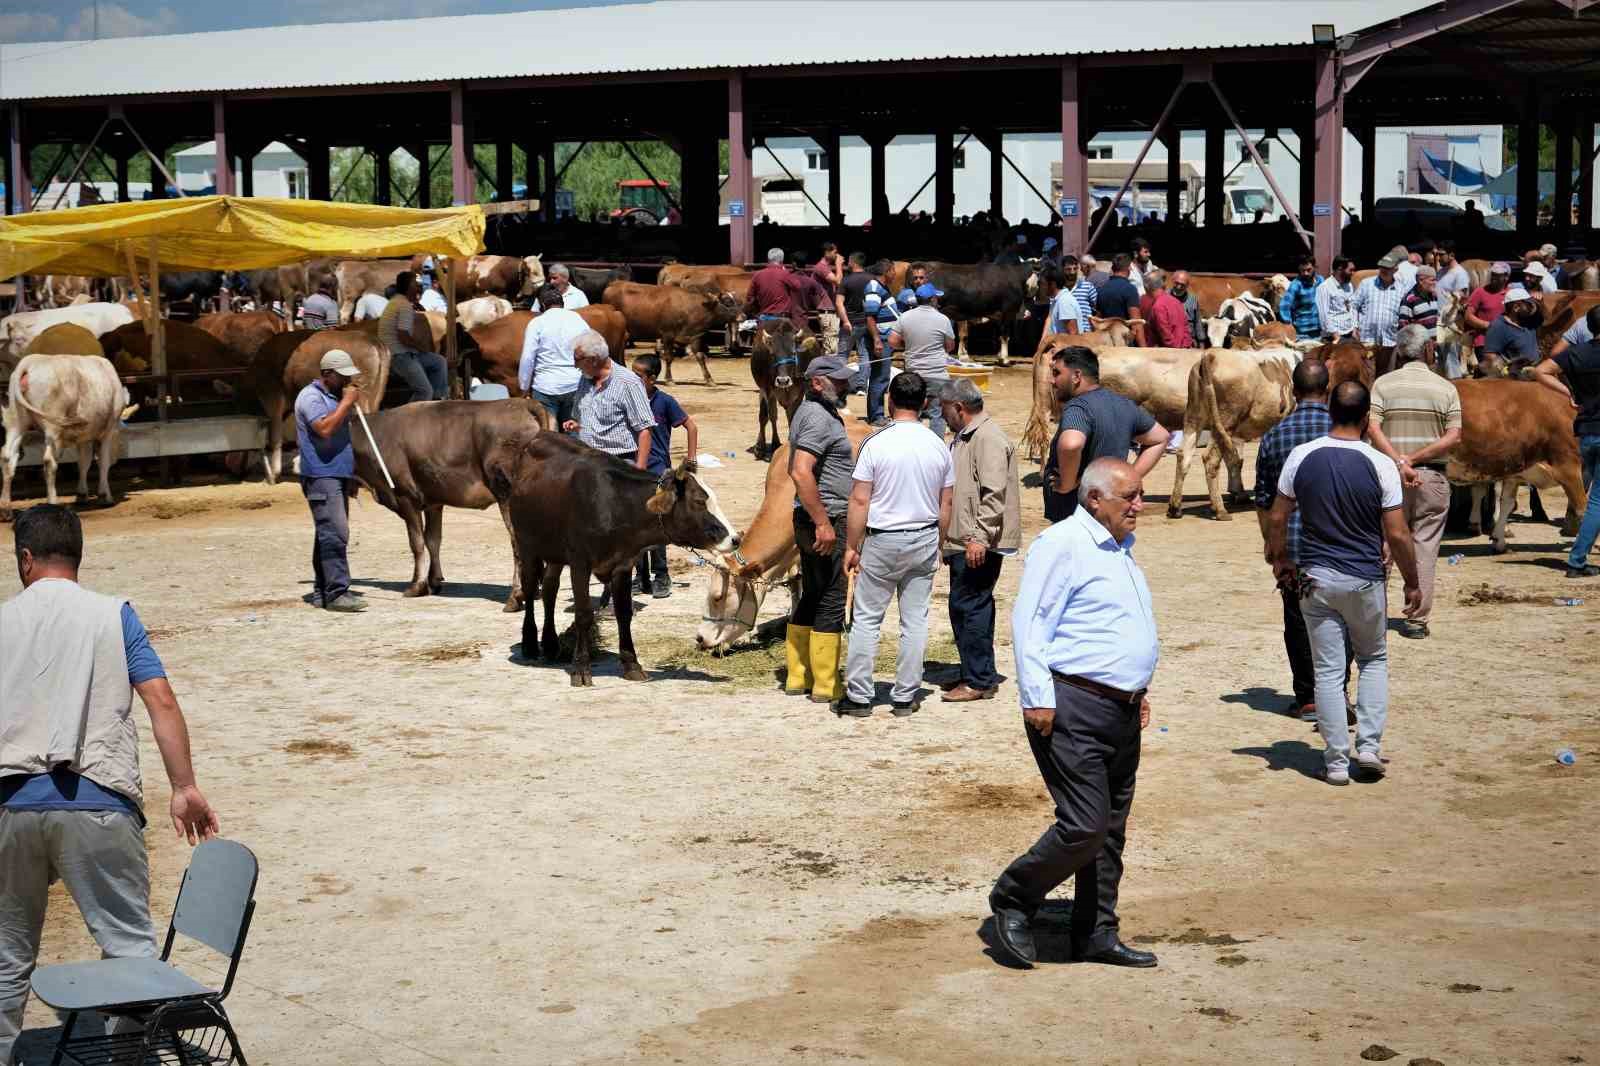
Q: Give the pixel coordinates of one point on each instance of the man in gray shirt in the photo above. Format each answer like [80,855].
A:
[612,411]
[926,336]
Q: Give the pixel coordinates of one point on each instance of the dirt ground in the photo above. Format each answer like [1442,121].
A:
[463,859]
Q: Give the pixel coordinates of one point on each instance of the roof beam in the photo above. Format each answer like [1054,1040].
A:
[1373,44]
[1577,6]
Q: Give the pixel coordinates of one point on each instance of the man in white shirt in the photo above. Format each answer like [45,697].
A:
[547,370]
[433,300]
[1336,297]
[1405,271]
[559,276]
[1142,264]
[899,510]
[371,305]
[1084,632]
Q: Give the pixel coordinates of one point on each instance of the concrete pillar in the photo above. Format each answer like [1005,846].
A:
[219,133]
[530,169]
[319,175]
[547,178]
[944,177]
[995,142]
[1074,168]
[502,170]
[1564,122]
[384,193]
[1367,137]
[830,147]
[879,178]
[741,226]
[1585,131]
[419,152]
[1216,166]
[19,175]
[1328,152]
[121,160]
[463,182]
[1528,166]
[1172,138]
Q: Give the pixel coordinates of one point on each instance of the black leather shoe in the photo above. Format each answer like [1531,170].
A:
[1119,954]
[848,706]
[903,710]
[1013,938]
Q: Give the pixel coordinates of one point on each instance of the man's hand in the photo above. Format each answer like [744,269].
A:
[827,539]
[976,553]
[569,426]
[852,561]
[351,394]
[1282,570]
[1144,712]
[1408,474]
[1041,719]
[1413,601]
[192,816]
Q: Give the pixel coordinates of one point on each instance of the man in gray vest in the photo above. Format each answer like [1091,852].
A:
[71,802]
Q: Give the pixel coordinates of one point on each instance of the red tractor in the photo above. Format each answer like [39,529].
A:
[642,202]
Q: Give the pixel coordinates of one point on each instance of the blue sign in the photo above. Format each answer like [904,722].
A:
[1321,210]
[1069,207]
[735,208]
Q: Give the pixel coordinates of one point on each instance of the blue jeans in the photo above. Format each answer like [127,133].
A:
[563,407]
[426,373]
[1589,453]
[330,515]
[873,374]
[932,409]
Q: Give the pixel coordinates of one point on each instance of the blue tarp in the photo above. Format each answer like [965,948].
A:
[1456,173]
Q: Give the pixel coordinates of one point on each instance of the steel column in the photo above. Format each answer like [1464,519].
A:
[20,198]
[1528,165]
[462,184]
[530,170]
[1172,139]
[1367,137]
[1074,168]
[1308,170]
[550,181]
[121,160]
[1561,213]
[1327,155]
[879,179]
[502,170]
[219,133]
[741,226]
[944,177]
[424,196]
[1586,171]
[384,193]
[994,141]
[830,147]
[1216,142]
[319,163]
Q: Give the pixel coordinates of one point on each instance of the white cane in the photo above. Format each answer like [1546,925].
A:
[377,454]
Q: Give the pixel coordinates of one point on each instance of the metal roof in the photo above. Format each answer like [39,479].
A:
[666,35]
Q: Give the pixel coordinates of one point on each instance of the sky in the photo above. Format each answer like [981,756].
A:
[75,19]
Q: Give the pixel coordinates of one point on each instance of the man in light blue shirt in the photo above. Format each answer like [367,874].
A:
[327,476]
[547,369]
[1085,639]
[1064,306]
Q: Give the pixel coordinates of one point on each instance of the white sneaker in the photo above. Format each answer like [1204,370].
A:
[1337,777]
[1371,763]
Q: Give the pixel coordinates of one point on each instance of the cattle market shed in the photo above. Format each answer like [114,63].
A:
[695,73]
[221,233]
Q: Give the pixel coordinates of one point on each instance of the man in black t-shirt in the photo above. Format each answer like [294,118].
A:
[1095,422]
[1579,365]
[1118,296]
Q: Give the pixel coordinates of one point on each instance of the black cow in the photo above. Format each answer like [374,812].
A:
[198,288]
[593,282]
[574,507]
[983,290]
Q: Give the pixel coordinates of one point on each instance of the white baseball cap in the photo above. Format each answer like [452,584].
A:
[1515,293]
[1536,269]
[339,359]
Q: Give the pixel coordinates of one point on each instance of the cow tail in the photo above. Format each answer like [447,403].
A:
[1206,374]
[65,426]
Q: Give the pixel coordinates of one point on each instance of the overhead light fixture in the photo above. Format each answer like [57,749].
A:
[1322,33]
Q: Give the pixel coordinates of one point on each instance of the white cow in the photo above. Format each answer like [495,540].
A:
[1238,316]
[18,331]
[481,310]
[533,280]
[73,399]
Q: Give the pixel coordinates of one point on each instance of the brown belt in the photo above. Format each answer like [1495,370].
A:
[1115,695]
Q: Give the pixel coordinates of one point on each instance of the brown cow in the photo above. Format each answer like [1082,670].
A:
[243,332]
[189,348]
[290,361]
[1347,361]
[65,338]
[490,275]
[357,277]
[493,352]
[701,278]
[438,454]
[672,317]
[1209,290]
[1238,395]
[778,359]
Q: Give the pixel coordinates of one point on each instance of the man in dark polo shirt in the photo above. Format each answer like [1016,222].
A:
[1095,423]
[1118,296]
[1575,373]
[772,290]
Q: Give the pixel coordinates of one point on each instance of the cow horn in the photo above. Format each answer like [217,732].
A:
[661,502]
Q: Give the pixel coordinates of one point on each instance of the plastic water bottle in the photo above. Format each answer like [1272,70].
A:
[1566,757]
[1455,560]
[1568,601]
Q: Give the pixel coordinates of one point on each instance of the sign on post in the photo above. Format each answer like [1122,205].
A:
[1321,210]
[1068,207]
[735,208]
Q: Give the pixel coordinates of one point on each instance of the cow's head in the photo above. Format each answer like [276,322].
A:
[1452,327]
[532,276]
[732,604]
[1217,330]
[689,513]
[725,307]
[1032,286]
[776,340]
[1273,289]
[1115,328]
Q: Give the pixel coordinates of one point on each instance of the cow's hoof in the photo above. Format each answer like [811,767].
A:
[1174,512]
[1499,549]
[635,672]
[513,605]
[582,680]
[413,591]
[551,649]
[1224,515]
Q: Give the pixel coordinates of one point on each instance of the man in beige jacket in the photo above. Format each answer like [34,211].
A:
[985,527]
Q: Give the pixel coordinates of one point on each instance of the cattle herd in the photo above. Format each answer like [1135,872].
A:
[80,367]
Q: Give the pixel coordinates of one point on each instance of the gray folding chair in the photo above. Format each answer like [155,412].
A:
[215,903]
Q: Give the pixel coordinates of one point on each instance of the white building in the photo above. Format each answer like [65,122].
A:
[277,171]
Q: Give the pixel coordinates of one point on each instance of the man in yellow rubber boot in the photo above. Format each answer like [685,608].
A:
[820,463]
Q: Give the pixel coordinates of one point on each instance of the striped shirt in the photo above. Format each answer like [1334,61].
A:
[1378,311]
[1420,309]
[1087,295]
[1335,308]
[611,416]
[1414,406]
[1305,423]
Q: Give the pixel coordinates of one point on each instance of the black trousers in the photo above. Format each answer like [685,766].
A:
[822,581]
[972,617]
[1298,644]
[652,559]
[1089,763]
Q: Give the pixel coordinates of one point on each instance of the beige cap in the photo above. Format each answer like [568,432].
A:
[339,359]
[1536,269]
[1547,249]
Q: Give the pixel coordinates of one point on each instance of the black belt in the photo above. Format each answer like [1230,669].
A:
[1115,695]
[1436,467]
[913,529]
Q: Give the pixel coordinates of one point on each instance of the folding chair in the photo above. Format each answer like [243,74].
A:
[215,903]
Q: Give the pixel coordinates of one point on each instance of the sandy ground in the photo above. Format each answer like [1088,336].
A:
[463,859]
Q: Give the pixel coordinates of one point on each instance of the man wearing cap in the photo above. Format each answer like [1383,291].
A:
[1536,277]
[1336,301]
[1420,307]
[1486,304]
[1510,342]
[1377,307]
[1555,275]
[820,464]
[327,475]
[927,337]
[1405,271]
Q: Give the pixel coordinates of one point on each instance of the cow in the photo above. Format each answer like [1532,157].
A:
[200,289]
[290,361]
[1515,431]
[672,317]
[1236,319]
[188,349]
[470,314]
[491,275]
[493,353]
[778,359]
[1156,379]
[1237,395]
[1347,360]
[532,277]
[739,579]
[986,290]
[579,509]
[74,400]
[702,278]
[243,332]
[593,282]
[1210,290]
[18,331]
[65,338]
[438,452]
[1561,311]
[357,277]
[62,290]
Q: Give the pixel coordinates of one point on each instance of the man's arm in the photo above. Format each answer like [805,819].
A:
[329,424]
[642,459]
[803,472]
[528,361]
[192,816]
[946,495]
[1152,446]
[950,343]
[1380,441]
[1041,597]
[692,431]
[1277,532]
[1548,373]
[1068,449]
[993,487]
[1473,321]
[896,341]
[855,524]
[1398,536]
[1429,452]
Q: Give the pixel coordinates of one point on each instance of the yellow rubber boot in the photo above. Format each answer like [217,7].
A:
[797,653]
[828,685]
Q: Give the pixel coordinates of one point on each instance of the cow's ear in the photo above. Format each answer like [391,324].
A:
[661,502]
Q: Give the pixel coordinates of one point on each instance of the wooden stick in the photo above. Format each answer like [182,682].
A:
[376,452]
